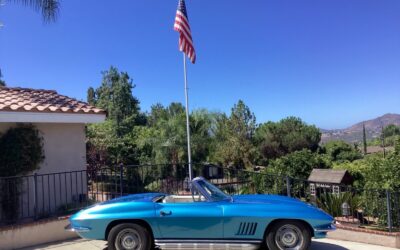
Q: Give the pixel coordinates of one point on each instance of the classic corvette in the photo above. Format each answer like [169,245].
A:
[207,219]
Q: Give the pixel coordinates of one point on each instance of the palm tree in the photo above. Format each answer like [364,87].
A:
[48,8]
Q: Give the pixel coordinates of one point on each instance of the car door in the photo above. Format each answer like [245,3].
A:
[244,221]
[192,220]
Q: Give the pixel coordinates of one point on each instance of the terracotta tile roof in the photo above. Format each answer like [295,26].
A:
[40,100]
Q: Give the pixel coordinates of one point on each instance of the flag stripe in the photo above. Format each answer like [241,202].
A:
[181,16]
[179,24]
[182,26]
[187,36]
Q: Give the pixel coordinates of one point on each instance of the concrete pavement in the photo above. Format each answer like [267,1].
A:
[325,244]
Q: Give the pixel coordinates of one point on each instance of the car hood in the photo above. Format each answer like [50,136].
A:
[279,202]
[269,199]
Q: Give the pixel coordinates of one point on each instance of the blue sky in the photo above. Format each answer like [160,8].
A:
[331,62]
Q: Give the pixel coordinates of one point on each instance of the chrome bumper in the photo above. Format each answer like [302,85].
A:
[70,228]
[330,228]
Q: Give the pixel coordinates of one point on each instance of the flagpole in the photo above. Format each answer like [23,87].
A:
[187,119]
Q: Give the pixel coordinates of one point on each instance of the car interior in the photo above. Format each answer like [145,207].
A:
[180,198]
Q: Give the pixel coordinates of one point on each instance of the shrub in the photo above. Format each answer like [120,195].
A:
[21,152]
[332,203]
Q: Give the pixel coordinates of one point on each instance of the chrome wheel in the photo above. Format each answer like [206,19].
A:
[128,238]
[289,237]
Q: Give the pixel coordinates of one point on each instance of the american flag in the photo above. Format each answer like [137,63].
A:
[182,26]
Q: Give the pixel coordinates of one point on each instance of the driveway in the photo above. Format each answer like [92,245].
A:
[325,244]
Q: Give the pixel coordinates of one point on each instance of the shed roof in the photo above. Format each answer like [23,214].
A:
[44,101]
[327,176]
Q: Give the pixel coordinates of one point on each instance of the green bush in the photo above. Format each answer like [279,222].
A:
[332,203]
[21,152]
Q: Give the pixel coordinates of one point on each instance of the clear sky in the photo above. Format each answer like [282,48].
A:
[330,62]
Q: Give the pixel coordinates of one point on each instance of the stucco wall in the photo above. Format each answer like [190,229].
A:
[64,146]
[65,151]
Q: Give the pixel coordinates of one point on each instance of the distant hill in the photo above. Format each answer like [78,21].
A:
[354,133]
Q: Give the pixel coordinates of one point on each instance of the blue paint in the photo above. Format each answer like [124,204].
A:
[240,217]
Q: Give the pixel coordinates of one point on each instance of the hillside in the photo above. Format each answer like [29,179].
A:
[354,132]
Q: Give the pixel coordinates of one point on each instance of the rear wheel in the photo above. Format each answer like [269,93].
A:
[288,235]
[129,236]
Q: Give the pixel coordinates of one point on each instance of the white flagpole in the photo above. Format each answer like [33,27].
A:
[187,119]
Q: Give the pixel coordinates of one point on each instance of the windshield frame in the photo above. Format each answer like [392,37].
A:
[209,190]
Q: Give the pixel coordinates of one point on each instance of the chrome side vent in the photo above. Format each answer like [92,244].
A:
[247,228]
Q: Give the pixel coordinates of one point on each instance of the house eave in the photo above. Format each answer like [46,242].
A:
[42,117]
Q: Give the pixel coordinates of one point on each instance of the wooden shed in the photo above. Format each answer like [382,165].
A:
[329,180]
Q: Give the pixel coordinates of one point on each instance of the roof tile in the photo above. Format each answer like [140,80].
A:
[39,100]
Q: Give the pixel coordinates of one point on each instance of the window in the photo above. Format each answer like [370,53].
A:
[214,193]
[212,172]
[197,196]
[312,189]
[335,190]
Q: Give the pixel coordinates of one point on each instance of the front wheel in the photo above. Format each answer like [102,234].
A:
[129,236]
[288,235]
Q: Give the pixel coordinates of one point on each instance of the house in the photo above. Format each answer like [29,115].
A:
[60,119]
[61,122]
[329,181]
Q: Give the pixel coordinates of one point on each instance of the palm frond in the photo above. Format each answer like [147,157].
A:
[49,8]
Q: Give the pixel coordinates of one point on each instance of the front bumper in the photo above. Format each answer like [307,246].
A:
[71,228]
[321,232]
[329,228]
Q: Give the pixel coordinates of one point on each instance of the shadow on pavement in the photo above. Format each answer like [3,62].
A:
[325,246]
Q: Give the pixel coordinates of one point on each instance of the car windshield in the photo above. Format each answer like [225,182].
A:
[215,193]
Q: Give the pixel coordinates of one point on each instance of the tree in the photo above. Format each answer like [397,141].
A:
[397,146]
[165,134]
[114,141]
[164,139]
[171,145]
[234,137]
[391,130]
[201,129]
[115,96]
[383,173]
[364,140]
[276,139]
[91,96]
[2,82]
[374,172]
[22,152]
[48,8]
[107,147]
[340,151]
[298,164]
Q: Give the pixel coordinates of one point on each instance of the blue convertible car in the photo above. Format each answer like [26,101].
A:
[207,219]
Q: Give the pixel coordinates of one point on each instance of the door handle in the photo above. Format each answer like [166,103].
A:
[165,213]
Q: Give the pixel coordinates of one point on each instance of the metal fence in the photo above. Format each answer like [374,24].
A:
[32,197]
